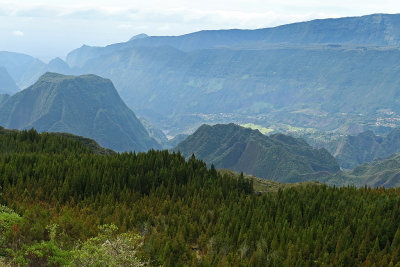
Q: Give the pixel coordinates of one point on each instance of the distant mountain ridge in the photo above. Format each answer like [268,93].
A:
[370,30]
[83,105]
[24,69]
[377,173]
[276,157]
[7,84]
[352,151]
[138,36]
[318,87]
[320,74]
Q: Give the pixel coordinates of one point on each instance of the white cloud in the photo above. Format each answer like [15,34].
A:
[209,14]
[18,33]
[60,26]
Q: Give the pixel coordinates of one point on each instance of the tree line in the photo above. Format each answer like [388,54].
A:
[64,204]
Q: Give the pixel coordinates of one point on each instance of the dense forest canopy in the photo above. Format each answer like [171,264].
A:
[64,204]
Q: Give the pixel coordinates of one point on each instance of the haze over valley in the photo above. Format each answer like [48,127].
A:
[274,142]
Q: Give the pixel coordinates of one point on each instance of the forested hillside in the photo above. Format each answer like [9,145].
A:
[159,209]
[276,157]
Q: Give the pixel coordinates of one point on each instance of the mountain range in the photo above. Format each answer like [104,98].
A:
[276,157]
[377,173]
[283,158]
[83,105]
[24,69]
[370,30]
[237,194]
[326,77]
[318,75]
[7,84]
[351,151]
[320,87]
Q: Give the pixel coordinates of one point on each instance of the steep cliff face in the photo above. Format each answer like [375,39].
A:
[83,105]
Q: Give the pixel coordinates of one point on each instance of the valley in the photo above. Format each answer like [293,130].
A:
[275,146]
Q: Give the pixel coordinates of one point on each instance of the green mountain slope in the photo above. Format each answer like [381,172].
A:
[277,157]
[261,186]
[377,173]
[83,105]
[352,151]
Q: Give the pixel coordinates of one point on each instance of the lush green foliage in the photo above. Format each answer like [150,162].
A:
[108,249]
[15,142]
[185,214]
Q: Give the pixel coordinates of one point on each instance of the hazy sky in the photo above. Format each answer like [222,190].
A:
[47,29]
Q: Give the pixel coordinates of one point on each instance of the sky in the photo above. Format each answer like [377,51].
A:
[46,28]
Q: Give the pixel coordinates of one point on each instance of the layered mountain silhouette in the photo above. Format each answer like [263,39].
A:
[24,69]
[59,66]
[317,86]
[371,30]
[7,84]
[352,151]
[320,74]
[85,105]
[376,173]
[276,157]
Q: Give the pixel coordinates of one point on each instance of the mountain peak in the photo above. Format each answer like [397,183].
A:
[58,65]
[278,157]
[56,60]
[7,84]
[138,36]
[52,76]
[86,105]
[55,77]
